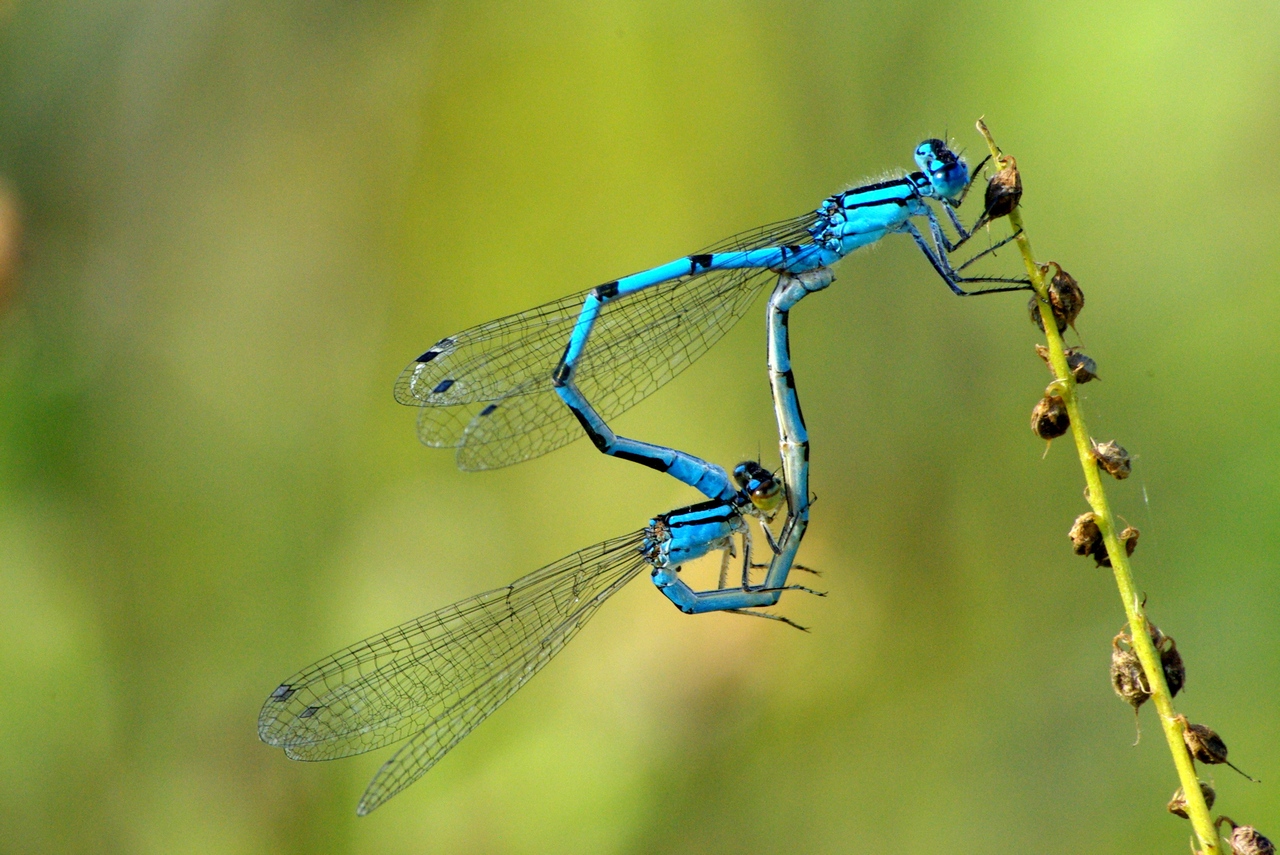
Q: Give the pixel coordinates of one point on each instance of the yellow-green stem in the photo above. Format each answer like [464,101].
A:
[1197,810]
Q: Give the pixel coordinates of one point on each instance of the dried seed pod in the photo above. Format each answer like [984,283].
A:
[1178,804]
[1205,745]
[1033,307]
[1157,637]
[1112,459]
[1065,297]
[1082,368]
[1245,839]
[1004,191]
[1086,537]
[1175,673]
[1126,674]
[1049,419]
[1129,537]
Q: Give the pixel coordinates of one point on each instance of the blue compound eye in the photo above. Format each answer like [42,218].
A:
[947,173]
[931,154]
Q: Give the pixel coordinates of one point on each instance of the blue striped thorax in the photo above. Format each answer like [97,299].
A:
[863,215]
[689,533]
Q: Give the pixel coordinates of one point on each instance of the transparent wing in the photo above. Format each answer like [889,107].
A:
[440,675]
[487,391]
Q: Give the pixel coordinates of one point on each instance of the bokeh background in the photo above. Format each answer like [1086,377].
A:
[226,226]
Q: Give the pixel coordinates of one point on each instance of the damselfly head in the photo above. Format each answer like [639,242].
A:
[946,171]
[761,486]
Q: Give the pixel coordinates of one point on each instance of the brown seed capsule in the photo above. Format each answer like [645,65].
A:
[1065,296]
[1245,839]
[1175,673]
[1157,637]
[1178,804]
[1126,674]
[1205,745]
[1004,190]
[1049,419]
[1082,368]
[1033,307]
[1086,537]
[1112,459]
[1129,537]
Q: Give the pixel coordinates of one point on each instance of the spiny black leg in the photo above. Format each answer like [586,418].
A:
[973,174]
[959,227]
[806,590]
[942,265]
[768,536]
[792,588]
[989,250]
[981,291]
[768,616]
[799,567]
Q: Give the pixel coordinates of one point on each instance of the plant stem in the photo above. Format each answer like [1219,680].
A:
[1197,810]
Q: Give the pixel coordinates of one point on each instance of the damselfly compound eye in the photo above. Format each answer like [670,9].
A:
[748,472]
[762,488]
[767,497]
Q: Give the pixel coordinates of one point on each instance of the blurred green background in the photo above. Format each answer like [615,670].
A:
[239,220]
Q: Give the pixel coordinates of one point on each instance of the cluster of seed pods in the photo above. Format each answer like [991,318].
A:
[1050,420]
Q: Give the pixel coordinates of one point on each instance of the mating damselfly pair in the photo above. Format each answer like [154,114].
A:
[520,386]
